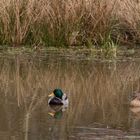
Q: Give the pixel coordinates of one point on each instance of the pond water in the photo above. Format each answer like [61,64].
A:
[99,93]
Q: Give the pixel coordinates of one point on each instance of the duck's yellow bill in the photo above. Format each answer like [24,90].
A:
[51,95]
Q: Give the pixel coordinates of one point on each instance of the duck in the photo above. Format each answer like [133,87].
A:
[135,102]
[57,97]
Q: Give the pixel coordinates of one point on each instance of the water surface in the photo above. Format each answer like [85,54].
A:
[99,93]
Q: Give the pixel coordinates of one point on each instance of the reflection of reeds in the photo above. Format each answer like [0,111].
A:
[97,91]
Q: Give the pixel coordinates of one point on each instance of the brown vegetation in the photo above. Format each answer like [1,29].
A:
[69,22]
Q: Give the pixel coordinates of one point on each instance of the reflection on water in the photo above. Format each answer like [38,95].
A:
[99,94]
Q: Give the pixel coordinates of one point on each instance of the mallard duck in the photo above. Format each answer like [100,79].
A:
[135,102]
[57,97]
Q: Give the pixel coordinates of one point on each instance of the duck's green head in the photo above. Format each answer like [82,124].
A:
[57,93]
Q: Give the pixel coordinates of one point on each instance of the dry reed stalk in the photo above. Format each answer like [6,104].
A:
[68,22]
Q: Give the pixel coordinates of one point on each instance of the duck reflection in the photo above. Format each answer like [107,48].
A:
[57,111]
[135,117]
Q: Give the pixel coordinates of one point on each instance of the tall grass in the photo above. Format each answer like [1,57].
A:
[69,22]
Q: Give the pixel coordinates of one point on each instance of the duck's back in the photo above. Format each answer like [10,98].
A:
[55,101]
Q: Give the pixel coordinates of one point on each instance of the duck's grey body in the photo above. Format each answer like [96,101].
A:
[136,100]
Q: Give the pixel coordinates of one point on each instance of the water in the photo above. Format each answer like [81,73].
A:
[99,94]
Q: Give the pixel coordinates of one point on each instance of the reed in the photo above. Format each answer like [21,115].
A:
[67,23]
